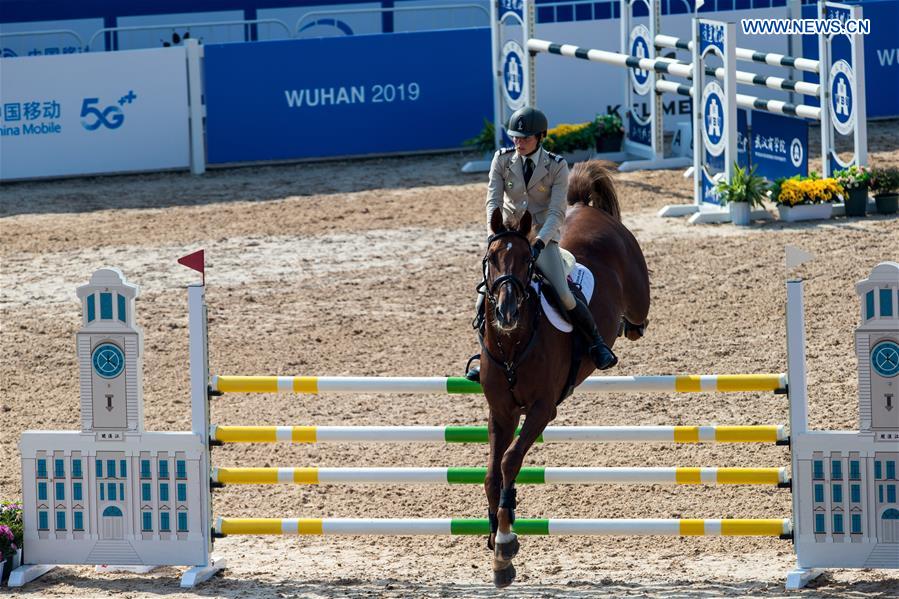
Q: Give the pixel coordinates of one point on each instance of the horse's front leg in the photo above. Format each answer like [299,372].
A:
[501,432]
[540,414]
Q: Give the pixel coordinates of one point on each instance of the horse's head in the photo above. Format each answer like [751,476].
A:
[507,269]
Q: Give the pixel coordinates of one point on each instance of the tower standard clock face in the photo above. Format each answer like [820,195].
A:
[108,360]
[885,358]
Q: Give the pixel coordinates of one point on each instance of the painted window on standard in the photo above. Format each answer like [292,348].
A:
[60,520]
[163,469]
[819,523]
[891,493]
[59,468]
[819,493]
[838,524]
[91,308]
[891,470]
[856,523]
[43,520]
[77,520]
[110,491]
[99,468]
[182,521]
[145,491]
[880,493]
[121,302]
[147,524]
[76,469]
[837,493]
[110,468]
[60,492]
[818,469]
[886,302]
[854,470]
[855,493]
[180,469]
[76,492]
[182,492]
[164,522]
[869,305]
[102,492]
[122,491]
[145,468]
[836,470]
[106,306]
[42,491]
[878,469]
[42,468]
[123,468]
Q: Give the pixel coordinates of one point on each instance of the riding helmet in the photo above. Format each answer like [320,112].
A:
[526,121]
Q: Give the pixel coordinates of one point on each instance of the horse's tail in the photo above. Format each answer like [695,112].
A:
[591,183]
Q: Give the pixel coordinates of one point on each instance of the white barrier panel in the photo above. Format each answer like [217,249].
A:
[93,113]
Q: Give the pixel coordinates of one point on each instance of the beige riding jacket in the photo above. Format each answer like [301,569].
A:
[545,194]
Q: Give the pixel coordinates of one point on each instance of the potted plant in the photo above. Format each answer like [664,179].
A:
[574,141]
[742,192]
[885,183]
[11,533]
[484,141]
[854,181]
[805,198]
[608,132]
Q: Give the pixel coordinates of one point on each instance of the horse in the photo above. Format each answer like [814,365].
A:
[526,370]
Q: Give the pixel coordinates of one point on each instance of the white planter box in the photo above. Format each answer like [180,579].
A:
[792,214]
[740,213]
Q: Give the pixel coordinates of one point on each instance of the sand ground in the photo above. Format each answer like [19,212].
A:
[368,267]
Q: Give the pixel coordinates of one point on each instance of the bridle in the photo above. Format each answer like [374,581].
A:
[523,289]
[523,293]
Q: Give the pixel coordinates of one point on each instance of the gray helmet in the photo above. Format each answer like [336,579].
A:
[526,121]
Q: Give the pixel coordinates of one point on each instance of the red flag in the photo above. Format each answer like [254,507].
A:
[195,261]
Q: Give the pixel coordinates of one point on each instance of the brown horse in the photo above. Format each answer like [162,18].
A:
[526,361]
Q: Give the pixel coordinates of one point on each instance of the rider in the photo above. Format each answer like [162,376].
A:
[527,177]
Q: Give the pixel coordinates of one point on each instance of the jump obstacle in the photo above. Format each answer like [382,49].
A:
[840,93]
[110,349]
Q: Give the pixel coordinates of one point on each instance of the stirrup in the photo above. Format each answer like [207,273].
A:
[473,373]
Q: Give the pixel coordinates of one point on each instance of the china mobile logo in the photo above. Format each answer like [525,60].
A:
[111,117]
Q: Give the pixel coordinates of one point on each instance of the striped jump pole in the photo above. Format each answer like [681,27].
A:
[691,383]
[476,475]
[671,67]
[748,55]
[771,82]
[750,102]
[478,434]
[782,528]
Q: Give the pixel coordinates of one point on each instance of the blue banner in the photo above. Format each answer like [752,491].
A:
[779,145]
[346,96]
[881,57]
[743,155]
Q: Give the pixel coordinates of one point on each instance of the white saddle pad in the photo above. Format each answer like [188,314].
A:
[583,277]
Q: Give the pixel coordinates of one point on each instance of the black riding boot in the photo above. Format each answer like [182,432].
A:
[582,320]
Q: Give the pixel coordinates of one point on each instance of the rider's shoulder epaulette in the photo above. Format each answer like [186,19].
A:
[502,151]
[555,157]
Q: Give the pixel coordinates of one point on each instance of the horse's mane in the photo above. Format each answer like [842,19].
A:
[590,183]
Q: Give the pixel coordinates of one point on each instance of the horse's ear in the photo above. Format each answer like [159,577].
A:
[524,225]
[496,221]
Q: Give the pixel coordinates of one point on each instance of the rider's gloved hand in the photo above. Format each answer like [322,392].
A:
[536,249]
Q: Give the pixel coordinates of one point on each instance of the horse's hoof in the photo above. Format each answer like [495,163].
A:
[505,577]
[506,551]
